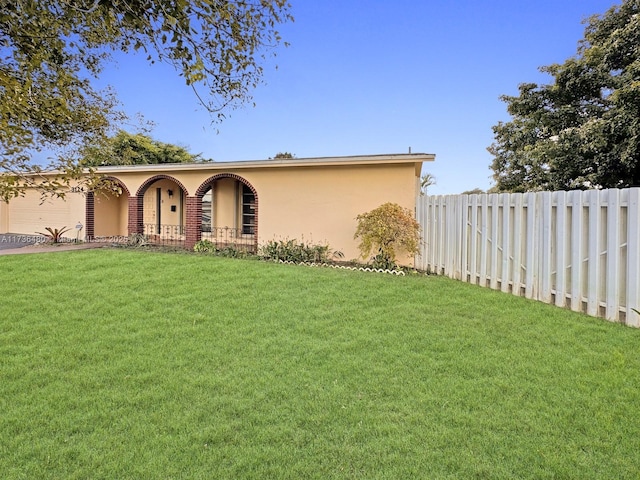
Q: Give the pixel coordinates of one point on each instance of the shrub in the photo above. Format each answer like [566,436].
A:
[54,235]
[388,230]
[294,251]
[231,251]
[204,246]
[137,240]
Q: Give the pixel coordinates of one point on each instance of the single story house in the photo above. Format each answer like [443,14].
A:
[252,202]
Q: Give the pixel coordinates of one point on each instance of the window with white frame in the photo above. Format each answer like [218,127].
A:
[207,211]
[248,211]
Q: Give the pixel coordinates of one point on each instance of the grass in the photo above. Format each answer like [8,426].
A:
[125,364]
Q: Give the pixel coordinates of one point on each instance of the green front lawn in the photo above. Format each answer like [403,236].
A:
[130,365]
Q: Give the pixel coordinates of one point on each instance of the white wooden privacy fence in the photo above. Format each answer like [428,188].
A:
[578,249]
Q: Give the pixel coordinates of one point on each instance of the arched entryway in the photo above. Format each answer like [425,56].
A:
[161,210]
[227,212]
[107,211]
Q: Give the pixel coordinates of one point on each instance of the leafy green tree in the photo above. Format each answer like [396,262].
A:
[50,50]
[387,230]
[583,130]
[136,149]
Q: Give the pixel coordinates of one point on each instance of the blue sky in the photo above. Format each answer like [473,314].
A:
[371,77]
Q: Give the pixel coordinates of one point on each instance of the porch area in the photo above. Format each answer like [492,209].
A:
[223,211]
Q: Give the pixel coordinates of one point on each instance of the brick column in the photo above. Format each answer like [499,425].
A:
[193,228]
[89,219]
[135,215]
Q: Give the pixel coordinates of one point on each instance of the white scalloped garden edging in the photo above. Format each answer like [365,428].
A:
[345,267]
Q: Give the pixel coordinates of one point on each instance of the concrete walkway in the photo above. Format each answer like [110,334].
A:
[11,244]
[9,241]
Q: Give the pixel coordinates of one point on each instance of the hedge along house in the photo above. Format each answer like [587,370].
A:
[243,203]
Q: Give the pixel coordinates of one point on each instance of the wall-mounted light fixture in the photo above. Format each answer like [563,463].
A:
[170,192]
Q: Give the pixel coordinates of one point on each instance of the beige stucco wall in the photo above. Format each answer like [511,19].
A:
[111,211]
[225,204]
[321,204]
[4,217]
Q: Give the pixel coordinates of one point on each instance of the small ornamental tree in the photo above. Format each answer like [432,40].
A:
[388,230]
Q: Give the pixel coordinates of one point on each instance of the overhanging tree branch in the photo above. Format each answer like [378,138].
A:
[52,49]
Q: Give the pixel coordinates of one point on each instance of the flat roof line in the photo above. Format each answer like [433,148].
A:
[280,162]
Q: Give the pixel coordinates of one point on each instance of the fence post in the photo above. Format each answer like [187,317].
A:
[484,215]
[577,252]
[613,254]
[463,261]
[449,235]
[593,266]
[633,257]
[435,244]
[519,240]
[493,258]
[544,259]
[473,240]
[505,244]
[531,275]
[561,234]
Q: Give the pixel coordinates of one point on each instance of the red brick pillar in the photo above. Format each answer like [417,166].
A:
[135,215]
[89,220]
[193,229]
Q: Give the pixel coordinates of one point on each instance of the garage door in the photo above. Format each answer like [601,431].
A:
[29,214]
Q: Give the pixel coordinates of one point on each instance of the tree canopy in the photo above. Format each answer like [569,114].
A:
[473,191]
[50,50]
[126,148]
[284,155]
[583,130]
